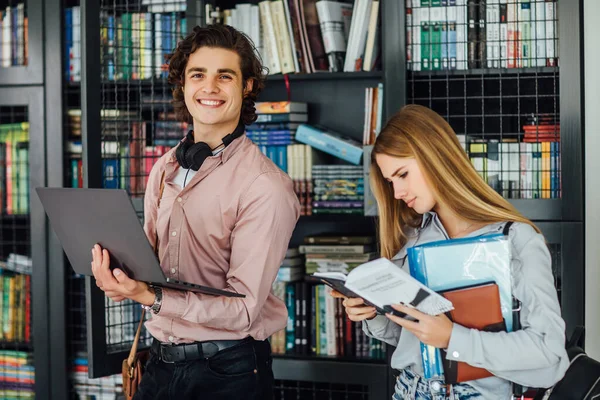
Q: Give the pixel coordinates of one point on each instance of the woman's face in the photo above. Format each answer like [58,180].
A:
[409,184]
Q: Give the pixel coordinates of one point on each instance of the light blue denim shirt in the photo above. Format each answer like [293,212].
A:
[534,356]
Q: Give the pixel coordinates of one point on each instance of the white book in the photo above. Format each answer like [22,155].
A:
[490,29]
[358,35]
[461,34]
[269,37]
[550,32]
[282,38]
[293,49]
[372,45]
[158,48]
[382,283]
[540,33]
[330,323]
[7,37]
[166,8]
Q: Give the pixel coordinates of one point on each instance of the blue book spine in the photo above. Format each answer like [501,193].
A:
[290,331]
[110,32]
[68,42]
[110,173]
[430,356]
[282,157]
[271,153]
[330,143]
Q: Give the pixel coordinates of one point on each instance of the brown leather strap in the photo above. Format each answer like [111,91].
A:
[134,346]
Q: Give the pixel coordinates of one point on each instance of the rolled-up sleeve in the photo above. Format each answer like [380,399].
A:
[267,216]
[534,356]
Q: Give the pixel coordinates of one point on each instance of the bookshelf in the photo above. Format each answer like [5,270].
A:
[23,341]
[336,100]
[493,100]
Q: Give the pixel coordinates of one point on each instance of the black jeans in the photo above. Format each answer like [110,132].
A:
[240,372]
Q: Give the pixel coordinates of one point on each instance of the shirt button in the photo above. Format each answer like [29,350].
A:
[171,339]
[173,270]
[174,233]
[455,354]
[179,200]
[436,386]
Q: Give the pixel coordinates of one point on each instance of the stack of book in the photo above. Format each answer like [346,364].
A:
[275,128]
[17,375]
[105,388]
[338,189]
[291,271]
[274,132]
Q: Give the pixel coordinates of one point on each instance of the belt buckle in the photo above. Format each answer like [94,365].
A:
[165,356]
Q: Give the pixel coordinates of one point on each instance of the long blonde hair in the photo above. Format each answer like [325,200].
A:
[418,132]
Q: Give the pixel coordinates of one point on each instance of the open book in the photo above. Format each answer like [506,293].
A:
[382,283]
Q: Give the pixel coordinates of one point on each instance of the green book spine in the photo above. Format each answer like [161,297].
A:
[436,45]
[425,46]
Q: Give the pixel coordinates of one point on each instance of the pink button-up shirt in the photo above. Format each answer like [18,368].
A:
[229,228]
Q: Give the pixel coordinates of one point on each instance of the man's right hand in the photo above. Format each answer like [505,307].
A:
[355,307]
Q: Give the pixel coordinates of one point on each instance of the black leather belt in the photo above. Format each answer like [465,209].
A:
[170,353]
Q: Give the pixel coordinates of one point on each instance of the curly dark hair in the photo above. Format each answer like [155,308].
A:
[219,36]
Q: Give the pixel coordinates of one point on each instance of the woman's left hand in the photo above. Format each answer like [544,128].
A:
[431,330]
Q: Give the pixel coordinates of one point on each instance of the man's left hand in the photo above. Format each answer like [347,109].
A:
[116,284]
[431,330]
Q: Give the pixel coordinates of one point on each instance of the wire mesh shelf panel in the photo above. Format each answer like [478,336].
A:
[491,70]
[299,390]
[17,374]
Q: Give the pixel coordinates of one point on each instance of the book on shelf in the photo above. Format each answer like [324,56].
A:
[15,301]
[14,36]
[330,142]
[14,168]
[526,167]
[133,44]
[317,323]
[461,34]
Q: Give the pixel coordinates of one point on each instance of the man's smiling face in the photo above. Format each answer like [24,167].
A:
[213,88]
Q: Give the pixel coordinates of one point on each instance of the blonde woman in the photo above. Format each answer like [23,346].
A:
[427,190]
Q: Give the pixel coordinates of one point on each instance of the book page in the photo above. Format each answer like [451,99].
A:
[383,283]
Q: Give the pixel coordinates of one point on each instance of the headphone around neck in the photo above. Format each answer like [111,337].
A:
[191,155]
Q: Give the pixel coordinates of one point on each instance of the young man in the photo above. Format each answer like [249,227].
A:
[222,219]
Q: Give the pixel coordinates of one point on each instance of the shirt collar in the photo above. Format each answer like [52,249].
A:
[495,227]
[426,218]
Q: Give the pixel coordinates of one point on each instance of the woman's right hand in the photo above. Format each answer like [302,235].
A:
[355,307]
